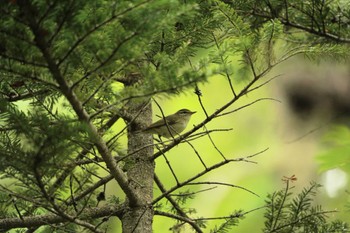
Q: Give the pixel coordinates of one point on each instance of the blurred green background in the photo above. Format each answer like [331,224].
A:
[293,144]
[294,141]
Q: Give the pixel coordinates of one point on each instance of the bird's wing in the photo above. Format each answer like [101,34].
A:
[160,123]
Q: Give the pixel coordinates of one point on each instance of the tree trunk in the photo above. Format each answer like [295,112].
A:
[138,216]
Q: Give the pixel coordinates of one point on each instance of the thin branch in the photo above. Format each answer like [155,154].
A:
[97,89]
[178,140]
[171,131]
[76,104]
[150,94]
[17,36]
[222,184]
[196,152]
[244,91]
[50,199]
[251,63]
[225,65]
[99,183]
[23,61]
[238,215]
[199,95]
[25,198]
[29,77]
[188,220]
[176,205]
[200,174]
[213,143]
[121,158]
[46,219]
[108,59]
[27,95]
[195,136]
[192,193]
[171,169]
[46,13]
[263,84]
[94,29]
[177,217]
[311,30]
[69,9]
[285,195]
[298,220]
[247,105]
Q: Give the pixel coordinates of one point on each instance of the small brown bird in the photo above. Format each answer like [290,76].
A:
[171,125]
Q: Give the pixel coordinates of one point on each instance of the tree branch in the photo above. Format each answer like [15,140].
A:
[47,219]
[200,174]
[311,30]
[77,105]
[176,206]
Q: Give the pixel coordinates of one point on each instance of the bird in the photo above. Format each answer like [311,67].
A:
[172,125]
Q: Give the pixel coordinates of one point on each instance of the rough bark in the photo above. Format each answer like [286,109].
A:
[138,216]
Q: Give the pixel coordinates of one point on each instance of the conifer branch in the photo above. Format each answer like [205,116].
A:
[223,184]
[178,217]
[85,52]
[200,174]
[244,91]
[176,206]
[320,31]
[77,105]
[50,219]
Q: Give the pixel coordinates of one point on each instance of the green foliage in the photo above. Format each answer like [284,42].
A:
[106,53]
[286,213]
[97,43]
[336,154]
[318,16]
[230,221]
[331,52]
[313,28]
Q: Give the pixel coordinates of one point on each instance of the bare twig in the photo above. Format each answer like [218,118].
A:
[177,217]
[192,193]
[238,215]
[212,142]
[247,105]
[222,184]
[200,174]
[176,205]
[170,167]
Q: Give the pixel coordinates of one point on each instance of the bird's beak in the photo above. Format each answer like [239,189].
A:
[193,112]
